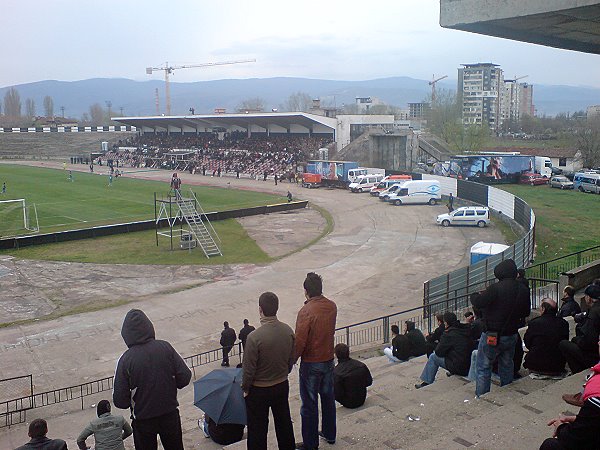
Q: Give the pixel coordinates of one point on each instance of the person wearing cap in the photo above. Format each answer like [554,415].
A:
[109,431]
[581,352]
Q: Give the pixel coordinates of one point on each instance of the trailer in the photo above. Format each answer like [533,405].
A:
[498,168]
[331,173]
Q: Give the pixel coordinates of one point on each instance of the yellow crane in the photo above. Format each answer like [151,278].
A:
[170,69]
[432,84]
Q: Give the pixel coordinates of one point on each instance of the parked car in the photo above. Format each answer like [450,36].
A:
[466,215]
[561,182]
[533,179]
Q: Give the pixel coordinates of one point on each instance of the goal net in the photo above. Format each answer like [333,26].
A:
[16,217]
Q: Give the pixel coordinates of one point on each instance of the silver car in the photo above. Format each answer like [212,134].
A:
[561,182]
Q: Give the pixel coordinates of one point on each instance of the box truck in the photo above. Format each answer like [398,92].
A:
[332,173]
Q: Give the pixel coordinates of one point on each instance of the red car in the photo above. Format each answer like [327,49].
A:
[533,179]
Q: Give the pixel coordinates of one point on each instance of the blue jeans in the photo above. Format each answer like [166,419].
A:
[434,362]
[504,351]
[472,376]
[316,379]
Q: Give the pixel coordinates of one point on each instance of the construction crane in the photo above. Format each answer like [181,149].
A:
[520,78]
[170,69]
[432,84]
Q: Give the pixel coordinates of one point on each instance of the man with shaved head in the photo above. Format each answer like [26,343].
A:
[542,338]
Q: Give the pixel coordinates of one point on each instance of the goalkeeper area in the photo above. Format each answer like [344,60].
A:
[49,200]
[17,217]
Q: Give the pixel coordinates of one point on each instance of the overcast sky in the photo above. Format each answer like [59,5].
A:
[337,39]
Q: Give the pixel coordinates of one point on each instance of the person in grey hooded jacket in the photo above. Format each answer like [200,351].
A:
[109,431]
[146,381]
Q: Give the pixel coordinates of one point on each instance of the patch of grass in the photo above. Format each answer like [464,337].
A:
[89,201]
[566,221]
[141,248]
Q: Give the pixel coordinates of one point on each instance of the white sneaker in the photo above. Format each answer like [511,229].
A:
[201,426]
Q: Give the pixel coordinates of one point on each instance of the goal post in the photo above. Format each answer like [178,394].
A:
[17,217]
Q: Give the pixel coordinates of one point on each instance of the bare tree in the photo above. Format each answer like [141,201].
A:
[587,139]
[48,106]
[97,114]
[30,107]
[12,103]
[255,104]
[300,101]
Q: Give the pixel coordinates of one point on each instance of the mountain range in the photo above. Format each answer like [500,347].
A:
[137,98]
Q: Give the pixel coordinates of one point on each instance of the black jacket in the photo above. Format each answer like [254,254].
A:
[244,332]
[455,347]
[401,347]
[476,330]
[416,342]
[587,333]
[569,307]
[541,338]
[44,443]
[434,337]
[351,378]
[149,372]
[504,304]
[582,434]
[227,337]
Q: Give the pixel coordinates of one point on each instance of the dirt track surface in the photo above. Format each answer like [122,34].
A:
[373,263]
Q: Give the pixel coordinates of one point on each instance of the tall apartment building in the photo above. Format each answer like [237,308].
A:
[517,101]
[480,92]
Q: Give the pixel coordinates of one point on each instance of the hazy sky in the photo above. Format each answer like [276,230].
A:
[347,40]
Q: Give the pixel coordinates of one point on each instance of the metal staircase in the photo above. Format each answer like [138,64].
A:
[197,220]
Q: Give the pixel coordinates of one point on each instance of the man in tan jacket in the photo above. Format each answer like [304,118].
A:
[268,359]
[315,328]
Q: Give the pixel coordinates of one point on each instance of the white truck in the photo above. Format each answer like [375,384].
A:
[364,183]
[543,166]
[417,192]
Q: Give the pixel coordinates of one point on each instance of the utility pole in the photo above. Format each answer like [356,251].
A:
[121,109]
[62,110]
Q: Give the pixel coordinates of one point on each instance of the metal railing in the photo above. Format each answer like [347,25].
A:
[555,267]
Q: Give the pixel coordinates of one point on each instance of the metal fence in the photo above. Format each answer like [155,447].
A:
[555,267]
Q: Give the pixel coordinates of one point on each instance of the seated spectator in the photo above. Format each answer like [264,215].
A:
[223,433]
[38,428]
[109,431]
[542,337]
[434,338]
[476,325]
[351,379]
[579,432]
[568,307]
[396,353]
[453,353]
[416,340]
[581,352]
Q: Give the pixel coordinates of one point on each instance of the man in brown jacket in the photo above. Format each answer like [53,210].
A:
[315,327]
[268,359]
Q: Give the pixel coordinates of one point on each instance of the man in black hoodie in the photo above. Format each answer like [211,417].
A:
[453,353]
[350,378]
[504,306]
[146,381]
[227,341]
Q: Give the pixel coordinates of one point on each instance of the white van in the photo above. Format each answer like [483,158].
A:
[364,183]
[466,215]
[587,182]
[384,195]
[417,192]
[353,174]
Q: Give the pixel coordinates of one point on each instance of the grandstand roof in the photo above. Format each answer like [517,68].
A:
[263,120]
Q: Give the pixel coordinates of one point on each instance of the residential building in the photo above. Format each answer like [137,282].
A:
[417,110]
[593,112]
[480,90]
[516,101]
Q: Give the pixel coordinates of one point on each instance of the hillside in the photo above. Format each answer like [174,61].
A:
[138,97]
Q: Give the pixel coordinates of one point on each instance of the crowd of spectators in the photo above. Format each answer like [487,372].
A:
[484,344]
[232,153]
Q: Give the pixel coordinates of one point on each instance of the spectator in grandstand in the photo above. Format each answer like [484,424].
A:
[542,337]
[504,305]
[109,431]
[38,428]
[434,338]
[350,378]
[416,340]
[227,341]
[222,433]
[268,359]
[146,381]
[244,332]
[568,307]
[315,328]
[579,432]
[581,352]
[453,352]
[397,352]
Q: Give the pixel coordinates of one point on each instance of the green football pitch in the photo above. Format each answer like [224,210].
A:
[88,200]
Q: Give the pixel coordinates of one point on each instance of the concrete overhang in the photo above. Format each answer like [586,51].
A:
[566,24]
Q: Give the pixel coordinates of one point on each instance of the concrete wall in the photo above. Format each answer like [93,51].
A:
[344,122]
